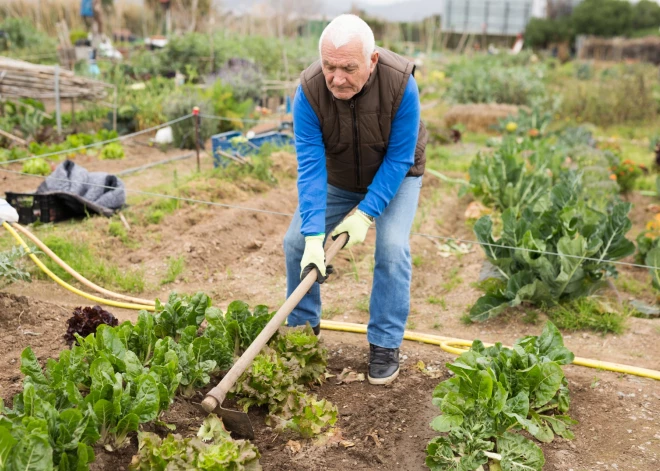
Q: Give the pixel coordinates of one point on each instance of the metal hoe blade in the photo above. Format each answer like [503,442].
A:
[236,421]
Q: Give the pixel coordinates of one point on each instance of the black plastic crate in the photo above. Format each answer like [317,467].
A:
[33,207]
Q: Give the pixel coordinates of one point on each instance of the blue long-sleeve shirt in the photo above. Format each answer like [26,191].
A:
[312,173]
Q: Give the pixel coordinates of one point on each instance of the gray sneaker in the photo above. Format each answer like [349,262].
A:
[383,364]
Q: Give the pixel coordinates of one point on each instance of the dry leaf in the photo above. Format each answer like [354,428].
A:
[331,437]
[374,436]
[293,446]
[349,376]
[346,444]
[475,210]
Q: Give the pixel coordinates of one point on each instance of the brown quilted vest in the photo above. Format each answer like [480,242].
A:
[356,132]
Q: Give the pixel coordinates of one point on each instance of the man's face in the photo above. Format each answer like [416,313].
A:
[345,69]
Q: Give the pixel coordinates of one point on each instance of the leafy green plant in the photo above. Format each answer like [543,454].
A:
[302,345]
[239,325]
[175,266]
[568,227]
[648,239]
[112,151]
[183,132]
[627,173]
[36,167]
[36,435]
[531,123]
[506,181]
[213,449]
[495,392]
[474,83]
[274,381]
[10,269]
[121,376]
[312,415]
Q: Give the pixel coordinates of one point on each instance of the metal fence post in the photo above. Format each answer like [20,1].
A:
[195,113]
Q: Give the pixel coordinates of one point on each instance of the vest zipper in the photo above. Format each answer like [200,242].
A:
[356,147]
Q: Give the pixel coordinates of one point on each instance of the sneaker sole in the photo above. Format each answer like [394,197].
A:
[382,381]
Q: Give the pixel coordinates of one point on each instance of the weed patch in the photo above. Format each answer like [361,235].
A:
[589,314]
[175,266]
[90,265]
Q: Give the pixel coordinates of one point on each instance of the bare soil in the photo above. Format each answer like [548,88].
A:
[383,428]
[234,254]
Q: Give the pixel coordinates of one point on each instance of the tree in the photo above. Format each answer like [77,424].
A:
[603,17]
[540,32]
[646,15]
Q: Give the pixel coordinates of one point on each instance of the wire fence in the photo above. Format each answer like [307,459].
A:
[138,133]
[279,213]
[100,143]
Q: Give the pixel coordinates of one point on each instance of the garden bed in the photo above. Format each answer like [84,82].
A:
[379,427]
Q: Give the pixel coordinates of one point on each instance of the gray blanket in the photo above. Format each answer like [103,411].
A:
[99,192]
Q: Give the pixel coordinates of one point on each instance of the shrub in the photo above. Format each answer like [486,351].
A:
[512,85]
[183,132]
[626,97]
[112,151]
[36,167]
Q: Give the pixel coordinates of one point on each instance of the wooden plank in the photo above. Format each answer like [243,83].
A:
[22,142]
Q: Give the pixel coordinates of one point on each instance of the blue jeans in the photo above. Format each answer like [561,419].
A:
[390,300]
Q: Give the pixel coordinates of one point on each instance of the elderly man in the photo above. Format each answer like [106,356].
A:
[360,143]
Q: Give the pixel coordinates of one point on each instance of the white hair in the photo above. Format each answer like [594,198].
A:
[346,28]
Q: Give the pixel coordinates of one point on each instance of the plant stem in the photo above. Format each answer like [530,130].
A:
[493,456]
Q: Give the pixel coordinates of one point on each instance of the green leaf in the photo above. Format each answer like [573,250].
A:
[30,367]
[105,414]
[32,453]
[102,373]
[71,427]
[570,252]
[560,425]
[445,422]
[487,307]
[519,453]
[544,383]
[551,345]
[147,400]
[6,444]
[126,425]
[653,260]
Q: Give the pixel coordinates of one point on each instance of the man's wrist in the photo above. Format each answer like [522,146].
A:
[368,216]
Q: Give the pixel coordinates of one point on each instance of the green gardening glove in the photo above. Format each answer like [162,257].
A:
[356,226]
[314,258]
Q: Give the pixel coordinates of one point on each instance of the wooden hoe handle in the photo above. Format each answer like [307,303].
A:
[216,395]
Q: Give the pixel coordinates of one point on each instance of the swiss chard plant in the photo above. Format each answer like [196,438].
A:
[495,392]
[585,240]
[35,435]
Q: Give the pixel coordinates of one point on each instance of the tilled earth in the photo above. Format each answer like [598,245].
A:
[384,428]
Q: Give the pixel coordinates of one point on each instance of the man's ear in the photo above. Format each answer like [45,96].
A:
[374,61]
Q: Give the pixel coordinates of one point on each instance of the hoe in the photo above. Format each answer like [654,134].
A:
[238,421]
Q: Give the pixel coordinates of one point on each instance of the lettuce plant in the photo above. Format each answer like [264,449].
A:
[213,449]
[300,344]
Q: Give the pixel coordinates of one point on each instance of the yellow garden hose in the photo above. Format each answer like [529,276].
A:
[64,284]
[77,275]
[448,344]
